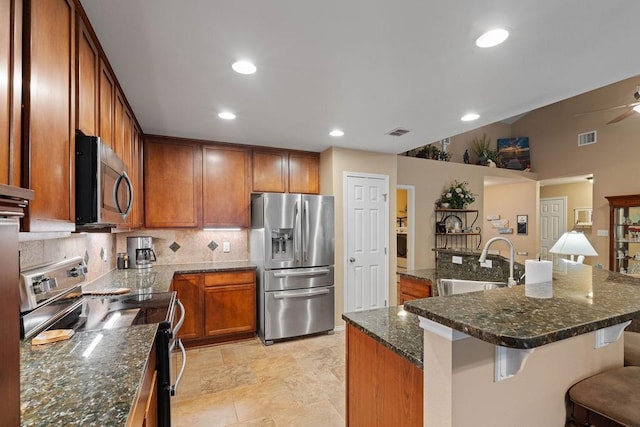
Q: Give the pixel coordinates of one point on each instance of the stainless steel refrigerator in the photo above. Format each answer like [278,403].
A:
[292,244]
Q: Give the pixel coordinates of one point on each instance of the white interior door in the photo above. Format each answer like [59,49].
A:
[366,233]
[553,223]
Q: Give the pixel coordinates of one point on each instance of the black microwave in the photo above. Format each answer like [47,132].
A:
[104,193]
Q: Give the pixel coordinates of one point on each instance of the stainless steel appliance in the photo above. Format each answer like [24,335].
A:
[292,244]
[52,298]
[104,192]
[140,251]
[13,201]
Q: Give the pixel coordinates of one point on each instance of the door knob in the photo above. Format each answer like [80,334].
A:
[352,259]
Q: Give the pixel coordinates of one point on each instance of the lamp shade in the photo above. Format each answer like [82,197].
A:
[573,243]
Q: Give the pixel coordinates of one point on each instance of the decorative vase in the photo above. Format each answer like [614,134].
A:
[444,205]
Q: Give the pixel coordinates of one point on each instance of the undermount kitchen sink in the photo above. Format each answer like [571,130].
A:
[458,286]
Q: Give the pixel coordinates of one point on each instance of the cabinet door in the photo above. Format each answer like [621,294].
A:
[106,104]
[10,90]
[269,171]
[173,183]
[50,114]
[87,82]
[188,288]
[118,126]
[229,303]
[225,187]
[304,173]
[136,175]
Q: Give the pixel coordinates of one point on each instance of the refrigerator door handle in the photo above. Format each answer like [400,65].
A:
[296,233]
[284,295]
[302,273]
[305,210]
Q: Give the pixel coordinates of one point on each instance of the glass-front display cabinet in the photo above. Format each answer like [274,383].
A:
[624,234]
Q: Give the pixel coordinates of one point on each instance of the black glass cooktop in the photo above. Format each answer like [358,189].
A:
[119,311]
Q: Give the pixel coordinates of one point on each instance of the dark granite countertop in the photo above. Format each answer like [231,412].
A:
[59,386]
[584,300]
[396,329]
[158,278]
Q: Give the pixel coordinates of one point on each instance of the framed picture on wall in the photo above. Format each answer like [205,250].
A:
[522,221]
[515,152]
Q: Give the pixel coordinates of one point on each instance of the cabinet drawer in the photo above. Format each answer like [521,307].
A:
[229,278]
[415,288]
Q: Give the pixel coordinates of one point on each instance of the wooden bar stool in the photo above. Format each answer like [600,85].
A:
[611,398]
[631,348]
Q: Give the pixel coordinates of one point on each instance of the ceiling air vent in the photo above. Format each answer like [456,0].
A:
[398,132]
[587,138]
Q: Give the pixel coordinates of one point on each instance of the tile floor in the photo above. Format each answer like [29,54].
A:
[291,383]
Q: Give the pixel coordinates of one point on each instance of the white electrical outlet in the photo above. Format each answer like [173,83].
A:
[487,264]
[456,259]
[226,247]
[603,233]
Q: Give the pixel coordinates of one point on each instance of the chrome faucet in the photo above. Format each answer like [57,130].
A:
[512,256]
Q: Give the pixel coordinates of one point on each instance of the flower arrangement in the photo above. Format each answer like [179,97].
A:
[456,196]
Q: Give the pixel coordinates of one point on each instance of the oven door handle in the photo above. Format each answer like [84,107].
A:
[174,388]
[179,324]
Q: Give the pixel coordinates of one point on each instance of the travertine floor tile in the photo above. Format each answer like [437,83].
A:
[297,383]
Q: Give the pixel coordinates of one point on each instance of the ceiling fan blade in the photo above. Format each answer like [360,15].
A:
[622,116]
[607,109]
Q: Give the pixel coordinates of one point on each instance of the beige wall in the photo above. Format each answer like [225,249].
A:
[613,160]
[508,201]
[429,178]
[333,163]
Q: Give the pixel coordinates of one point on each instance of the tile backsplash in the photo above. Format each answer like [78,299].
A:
[97,248]
[183,246]
[170,246]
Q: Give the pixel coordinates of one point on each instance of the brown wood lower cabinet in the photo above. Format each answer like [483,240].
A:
[383,388]
[145,409]
[219,306]
[410,289]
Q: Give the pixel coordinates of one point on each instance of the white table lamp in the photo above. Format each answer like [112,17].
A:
[573,243]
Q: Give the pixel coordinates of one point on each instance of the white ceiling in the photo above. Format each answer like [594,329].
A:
[365,66]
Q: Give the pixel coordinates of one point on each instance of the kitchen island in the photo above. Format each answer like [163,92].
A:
[60,384]
[500,358]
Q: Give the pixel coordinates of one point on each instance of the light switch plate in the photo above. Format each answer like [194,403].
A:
[456,259]
[226,246]
[603,233]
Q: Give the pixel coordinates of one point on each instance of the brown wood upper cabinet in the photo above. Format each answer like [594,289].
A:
[49,114]
[304,173]
[87,81]
[281,171]
[10,90]
[106,104]
[172,183]
[226,189]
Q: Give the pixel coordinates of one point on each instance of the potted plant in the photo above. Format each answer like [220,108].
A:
[456,196]
[485,155]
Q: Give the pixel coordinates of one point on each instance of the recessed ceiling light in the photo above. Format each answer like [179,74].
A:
[243,67]
[227,115]
[492,38]
[336,132]
[470,117]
